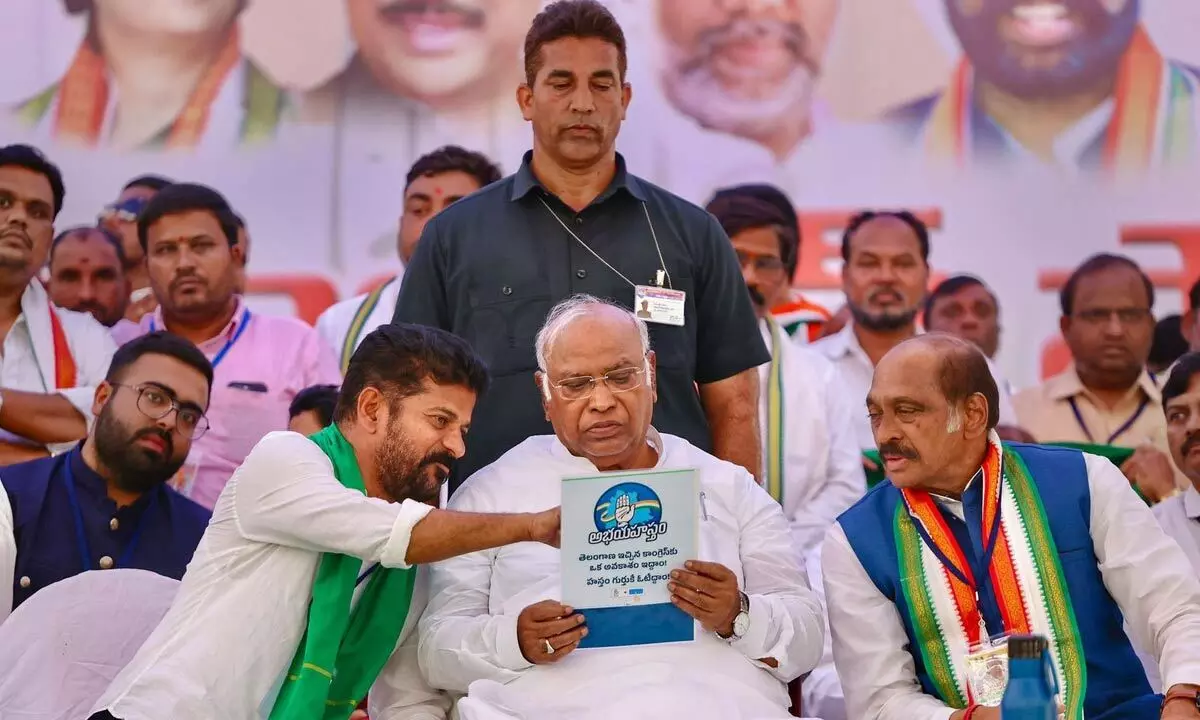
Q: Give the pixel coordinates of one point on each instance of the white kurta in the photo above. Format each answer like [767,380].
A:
[334,324]
[469,632]
[28,356]
[1145,572]
[223,648]
[1179,517]
[856,371]
[823,471]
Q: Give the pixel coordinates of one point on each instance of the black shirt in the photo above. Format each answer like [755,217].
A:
[491,266]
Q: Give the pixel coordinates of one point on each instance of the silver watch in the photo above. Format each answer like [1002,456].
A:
[741,621]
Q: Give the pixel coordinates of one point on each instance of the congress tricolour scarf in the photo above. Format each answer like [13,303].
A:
[1154,120]
[343,651]
[1025,575]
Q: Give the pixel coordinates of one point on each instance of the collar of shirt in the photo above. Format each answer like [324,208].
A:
[1071,145]
[955,506]
[1191,503]
[210,345]
[525,181]
[845,342]
[560,452]
[1068,385]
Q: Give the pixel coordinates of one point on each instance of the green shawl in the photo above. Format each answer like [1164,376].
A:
[342,652]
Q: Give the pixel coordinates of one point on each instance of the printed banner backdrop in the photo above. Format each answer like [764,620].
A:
[1029,134]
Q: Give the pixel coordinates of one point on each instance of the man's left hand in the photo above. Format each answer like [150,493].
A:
[709,593]
[1151,470]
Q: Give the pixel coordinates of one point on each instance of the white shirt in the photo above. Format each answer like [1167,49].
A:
[821,691]
[28,361]
[334,323]
[856,371]
[823,471]
[8,555]
[1179,517]
[469,632]
[223,648]
[1144,571]
[63,646]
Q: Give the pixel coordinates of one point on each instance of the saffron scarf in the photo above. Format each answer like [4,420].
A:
[1025,575]
[1154,118]
[65,372]
[343,650]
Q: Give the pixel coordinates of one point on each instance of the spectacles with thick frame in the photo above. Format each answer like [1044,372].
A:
[617,381]
[155,403]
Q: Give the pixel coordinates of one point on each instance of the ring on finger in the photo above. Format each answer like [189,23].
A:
[549,648]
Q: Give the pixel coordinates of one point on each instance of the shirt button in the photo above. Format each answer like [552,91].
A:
[113,524]
[26,582]
[578,220]
[506,290]
[581,274]
[106,563]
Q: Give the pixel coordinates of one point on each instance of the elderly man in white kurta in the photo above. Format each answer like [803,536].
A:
[494,628]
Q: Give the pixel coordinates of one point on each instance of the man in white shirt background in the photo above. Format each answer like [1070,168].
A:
[1179,516]
[53,359]
[259,627]
[435,181]
[885,275]
[495,629]
[812,464]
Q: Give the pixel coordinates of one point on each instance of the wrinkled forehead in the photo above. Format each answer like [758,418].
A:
[906,373]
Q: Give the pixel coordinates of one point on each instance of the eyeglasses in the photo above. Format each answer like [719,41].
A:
[123,212]
[156,404]
[617,381]
[761,263]
[1125,316]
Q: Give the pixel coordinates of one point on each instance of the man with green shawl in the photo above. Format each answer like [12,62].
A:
[304,589]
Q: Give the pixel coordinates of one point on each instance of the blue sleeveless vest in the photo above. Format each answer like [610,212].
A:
[1117,688]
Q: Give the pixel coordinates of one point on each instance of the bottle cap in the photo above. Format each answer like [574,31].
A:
[1026,647]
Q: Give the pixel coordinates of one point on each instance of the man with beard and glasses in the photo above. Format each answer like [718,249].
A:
[915,586]
[260,362]
[1074,83]
[53,358]
[106,503]
[303,593]
[87,274]
[496,628]
[571,220]
[884,276]
[811,463]
[1107,397]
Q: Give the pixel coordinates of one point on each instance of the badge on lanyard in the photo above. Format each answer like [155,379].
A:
[987,670]
[659,304]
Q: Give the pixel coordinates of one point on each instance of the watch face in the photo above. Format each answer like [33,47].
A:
[741,624]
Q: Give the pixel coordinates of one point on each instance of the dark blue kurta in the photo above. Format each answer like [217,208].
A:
[44,525]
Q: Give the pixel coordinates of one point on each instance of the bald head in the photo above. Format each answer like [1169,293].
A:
[583,316]
[956,366]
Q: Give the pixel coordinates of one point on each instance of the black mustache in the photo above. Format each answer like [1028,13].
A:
[892,448]
[473,16]
[756,296]
[17,232]
[443,458]
[1193,439]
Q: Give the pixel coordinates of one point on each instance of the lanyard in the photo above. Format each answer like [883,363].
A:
[1116,433]
[663,272]
[964,575]
[85,552]
[229,345]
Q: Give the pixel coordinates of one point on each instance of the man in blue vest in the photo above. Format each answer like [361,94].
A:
[971,540]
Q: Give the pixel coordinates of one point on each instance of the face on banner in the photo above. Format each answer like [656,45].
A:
[1044,49]
[165,17]
[744,68]
[441,52]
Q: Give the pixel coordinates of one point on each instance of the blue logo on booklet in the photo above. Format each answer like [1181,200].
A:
[627,511]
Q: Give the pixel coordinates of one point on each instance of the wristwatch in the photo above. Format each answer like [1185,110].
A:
[1192,696]
[741,621]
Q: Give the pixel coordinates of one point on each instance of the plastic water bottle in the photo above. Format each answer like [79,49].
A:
[1032,688]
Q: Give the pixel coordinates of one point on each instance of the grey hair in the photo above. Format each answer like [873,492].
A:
[570,310]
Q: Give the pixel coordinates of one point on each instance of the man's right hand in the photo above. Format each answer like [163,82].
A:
[549,621]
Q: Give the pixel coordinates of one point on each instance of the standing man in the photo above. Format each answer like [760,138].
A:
[913,583]
[1106,396]
[303,590]
[573,220]
[801,318]
[811,464]
[884,276]
[1179,516]
[260,362]
[965,307]
[106,503]
[87,274]
[53,358]
[434,182]
[121,218]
